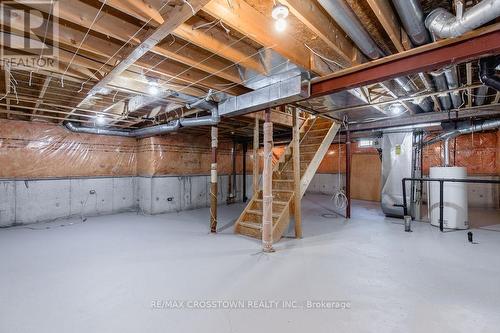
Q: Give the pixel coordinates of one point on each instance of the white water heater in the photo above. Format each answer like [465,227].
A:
[455,212]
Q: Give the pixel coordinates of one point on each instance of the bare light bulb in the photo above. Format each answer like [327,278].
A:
[100,120]
[153,90]
[280,25]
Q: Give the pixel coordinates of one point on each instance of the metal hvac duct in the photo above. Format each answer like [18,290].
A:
[136,133]
[424,103]
[172,126]
[412,17]
[211,120]
[443,24]
[340,11]
[441,85]
[487,72]
[452,79]
[481,94]
[447,136]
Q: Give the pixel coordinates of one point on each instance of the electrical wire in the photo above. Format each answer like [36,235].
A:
[339,197]
[82,41]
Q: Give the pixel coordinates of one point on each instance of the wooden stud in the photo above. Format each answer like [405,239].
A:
[213,181]
[296,173]
[267,186]
[255,177]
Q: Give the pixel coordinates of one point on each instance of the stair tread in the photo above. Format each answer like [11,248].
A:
[286,191]
[274,201]
[252,225]
[258,212]
[283,180]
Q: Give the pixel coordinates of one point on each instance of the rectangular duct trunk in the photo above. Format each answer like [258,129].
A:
[282,92]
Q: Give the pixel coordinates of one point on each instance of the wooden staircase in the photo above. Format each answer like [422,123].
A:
[316,135]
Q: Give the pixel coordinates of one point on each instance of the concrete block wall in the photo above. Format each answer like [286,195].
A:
[30,201]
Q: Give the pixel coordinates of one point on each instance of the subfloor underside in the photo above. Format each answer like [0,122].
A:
[119,273]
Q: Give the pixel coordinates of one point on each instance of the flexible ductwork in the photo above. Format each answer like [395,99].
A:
[340,11]
[447,136]
[443,24]
[487,72]
[136,133]
[412,17]
[452,79]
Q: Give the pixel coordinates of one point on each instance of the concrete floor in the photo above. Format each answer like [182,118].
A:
[103,275]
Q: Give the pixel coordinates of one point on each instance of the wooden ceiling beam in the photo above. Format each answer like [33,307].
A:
[389,21]
[219,42]
[122,30]
[139,9]
[311,15]
[250,22]
[69,39]
[176,17]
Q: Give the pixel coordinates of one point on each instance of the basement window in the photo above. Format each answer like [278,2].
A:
[366,143]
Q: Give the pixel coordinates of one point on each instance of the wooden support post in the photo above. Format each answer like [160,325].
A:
[255,175]
[348,172]
[244,170]
[267,185]
[296,173]
[213,182]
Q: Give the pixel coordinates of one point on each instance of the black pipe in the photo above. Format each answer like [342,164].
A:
[245,147]
[487,72]
[441,205]
[441,190]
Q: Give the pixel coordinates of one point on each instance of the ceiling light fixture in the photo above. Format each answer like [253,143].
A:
[153,90]
[100,120]
[280,13]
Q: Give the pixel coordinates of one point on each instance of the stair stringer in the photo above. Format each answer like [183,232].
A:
[318,157]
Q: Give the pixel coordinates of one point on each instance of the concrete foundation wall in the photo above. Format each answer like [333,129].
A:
[163,194]
[479,195]
[30,201]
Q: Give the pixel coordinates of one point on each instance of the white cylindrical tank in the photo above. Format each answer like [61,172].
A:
[455,212]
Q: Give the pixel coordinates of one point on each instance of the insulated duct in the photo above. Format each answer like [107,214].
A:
[443,24]
[447,136]
[340,11]
[412,18]
[487,72]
